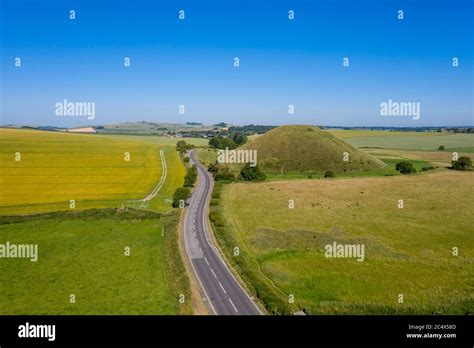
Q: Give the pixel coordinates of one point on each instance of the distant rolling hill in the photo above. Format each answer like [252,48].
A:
[290,149]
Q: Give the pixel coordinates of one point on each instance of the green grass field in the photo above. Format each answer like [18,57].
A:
[408,140]
[82,253]
[82,250]
[407,251]
[357,133]
[389,170]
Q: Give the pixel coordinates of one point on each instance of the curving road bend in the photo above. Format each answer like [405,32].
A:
[224,295]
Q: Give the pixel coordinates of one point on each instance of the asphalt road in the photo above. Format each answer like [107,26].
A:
[224,295]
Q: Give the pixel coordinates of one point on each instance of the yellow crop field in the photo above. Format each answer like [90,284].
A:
[46,171]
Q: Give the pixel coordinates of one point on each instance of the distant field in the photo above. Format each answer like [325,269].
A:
[160,140]
[436,158]
[90,169]
[408,140]
[407,251]
[145,128]
[344,134]
[83,254]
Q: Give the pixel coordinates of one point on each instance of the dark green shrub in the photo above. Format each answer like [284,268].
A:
[329,174]
[181,193]
[463,163]
[250,173]
[190,177]
[405,167]
[224,173]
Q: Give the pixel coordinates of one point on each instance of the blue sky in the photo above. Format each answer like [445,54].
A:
[283,62]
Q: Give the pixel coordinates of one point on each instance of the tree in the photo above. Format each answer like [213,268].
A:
[222,143]
[190,177]
[329,174]
[441,148]
[227,143]
[239,138]
[405,167]
[180,195]
[463,163]
[215,143]
[250,173]
[182,146]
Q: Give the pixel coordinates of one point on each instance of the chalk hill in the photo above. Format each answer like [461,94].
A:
[308,149]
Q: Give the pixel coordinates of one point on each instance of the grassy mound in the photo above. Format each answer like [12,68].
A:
[289,149]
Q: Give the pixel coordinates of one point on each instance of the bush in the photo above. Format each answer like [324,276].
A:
[186,159]
[225,174]
[181,193]
[329,174]
[220,172]
[405,167]
[190,177]
[463,163]
[441,147]
[213,168]
[426,168]
[250,173]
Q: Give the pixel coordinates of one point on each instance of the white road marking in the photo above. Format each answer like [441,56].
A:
[199,197]
[233,305]
[225,292]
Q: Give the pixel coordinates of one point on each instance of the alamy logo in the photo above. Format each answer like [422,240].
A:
[393,108]
[37,331]
[345,250]
[28,251]
[81,109]
[237,156]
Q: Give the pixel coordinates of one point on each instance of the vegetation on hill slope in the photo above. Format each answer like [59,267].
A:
[307,148]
